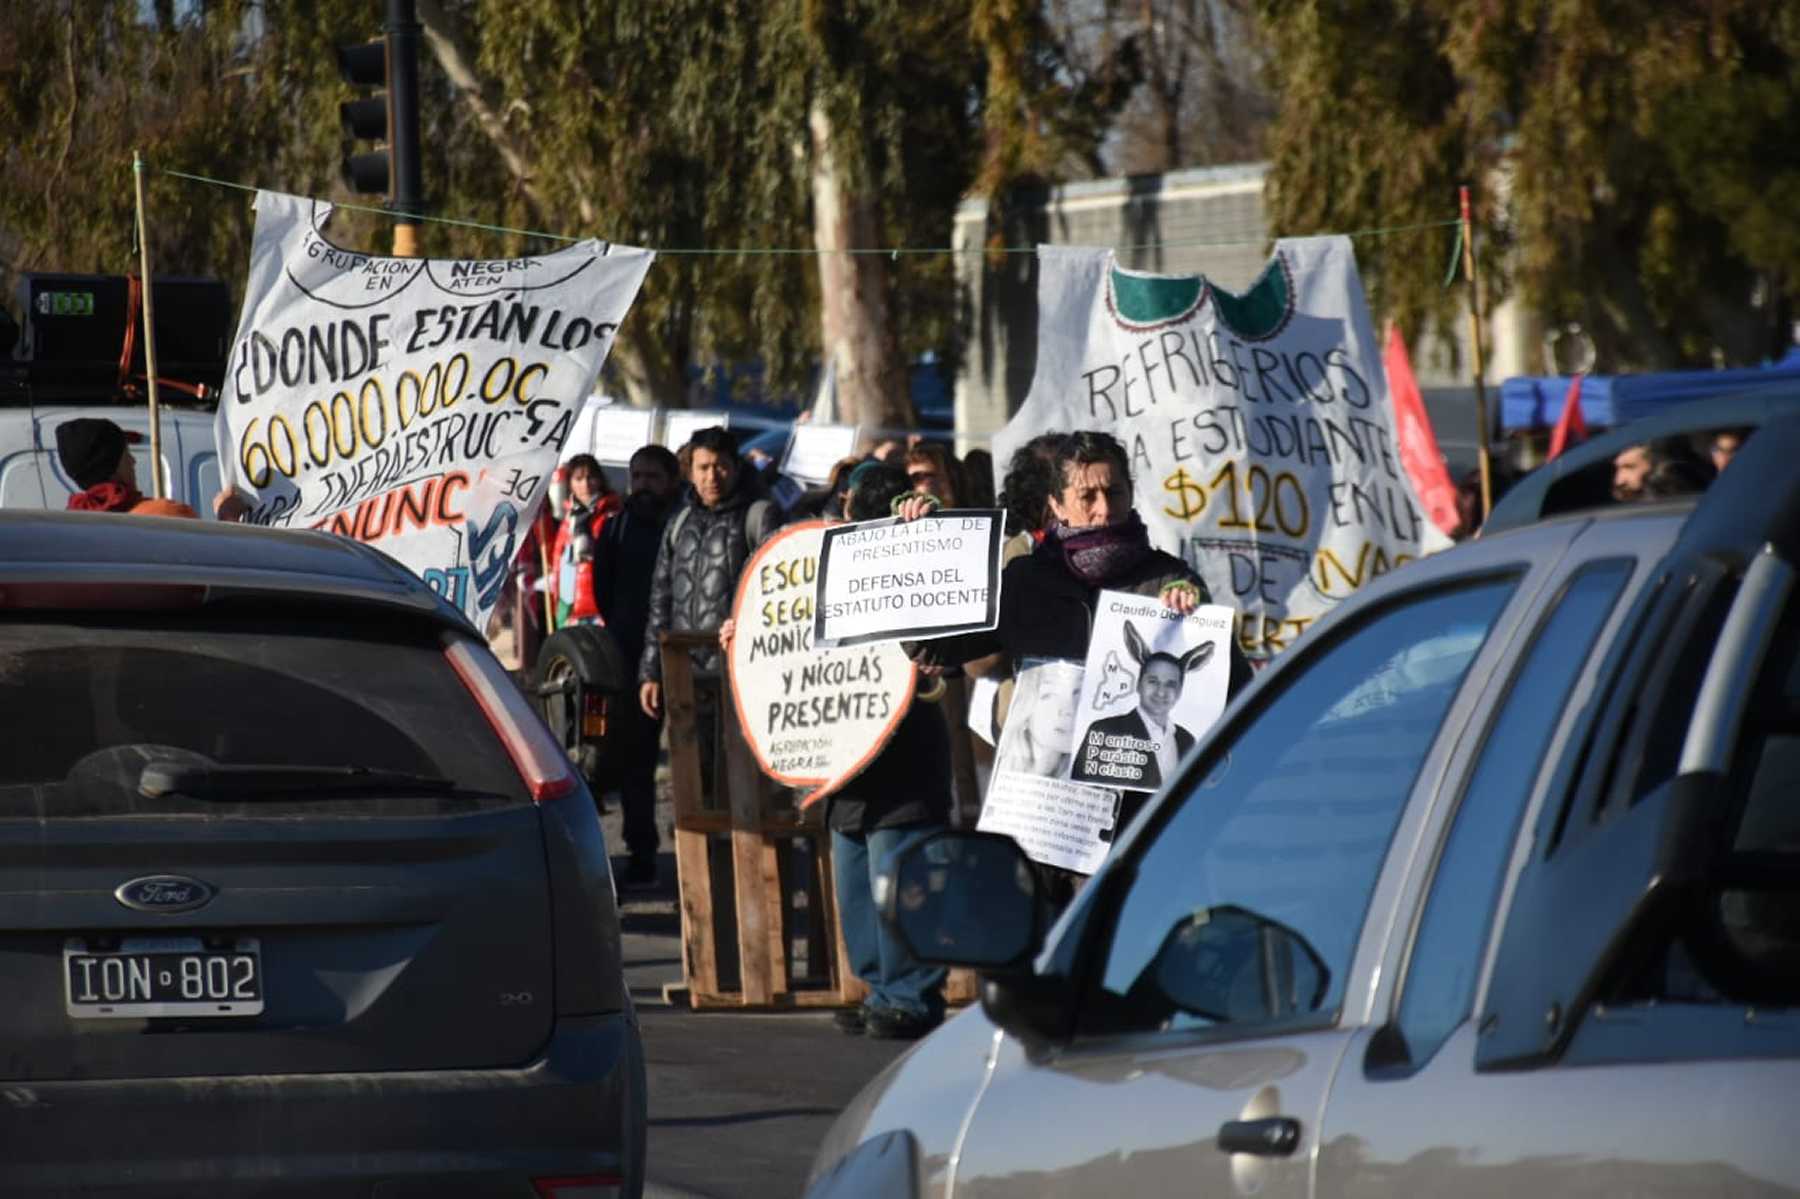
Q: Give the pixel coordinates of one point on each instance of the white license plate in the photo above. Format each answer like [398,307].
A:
[163,976]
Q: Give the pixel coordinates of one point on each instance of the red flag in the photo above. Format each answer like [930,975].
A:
[1571,427]
[1419,452]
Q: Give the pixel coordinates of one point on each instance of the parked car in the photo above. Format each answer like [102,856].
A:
[298,896]
[1489,886]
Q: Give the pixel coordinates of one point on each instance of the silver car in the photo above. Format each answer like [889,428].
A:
[1490,886]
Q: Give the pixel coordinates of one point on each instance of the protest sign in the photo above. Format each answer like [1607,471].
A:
[1155,681]
[680,424]
[814,717]
[884,580]
[814,449]
[615,432]
[1262,442]
[413,404]
[1029,797]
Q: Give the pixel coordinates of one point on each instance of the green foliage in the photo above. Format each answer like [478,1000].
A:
[1645,150]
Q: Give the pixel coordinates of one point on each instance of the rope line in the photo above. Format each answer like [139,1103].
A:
[772,251]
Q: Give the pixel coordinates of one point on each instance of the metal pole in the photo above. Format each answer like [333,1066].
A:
[1481,412]
[156,472]
[403,115]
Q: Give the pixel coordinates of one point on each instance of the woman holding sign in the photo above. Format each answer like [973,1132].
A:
[1096,542]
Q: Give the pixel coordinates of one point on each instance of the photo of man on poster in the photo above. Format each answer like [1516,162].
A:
[1156,681]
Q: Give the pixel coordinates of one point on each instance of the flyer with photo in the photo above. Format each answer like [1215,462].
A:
[1155,681]
[1029,798]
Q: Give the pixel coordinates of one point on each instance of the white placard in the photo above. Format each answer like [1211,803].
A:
[413,404]
[619,431]
[1261,436]
[984,693]
[814,449]
[893,579]
[1055,821]
[813,717]
[1155,681]
[680,424]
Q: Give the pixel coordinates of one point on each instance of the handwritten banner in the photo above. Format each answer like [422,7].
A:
[814,717]
[413,404]
[1155,682]
[884,580]
[1262,440]
[1055,821]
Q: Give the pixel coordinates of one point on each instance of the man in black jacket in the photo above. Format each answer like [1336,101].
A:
[624,564]
[702,552]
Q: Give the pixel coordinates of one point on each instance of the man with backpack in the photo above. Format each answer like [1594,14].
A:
[704,548]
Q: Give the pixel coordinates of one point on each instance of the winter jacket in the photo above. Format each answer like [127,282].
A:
[624,566]
[580,604]
[1046,612]
[697,566]
[111,496]
[907,783]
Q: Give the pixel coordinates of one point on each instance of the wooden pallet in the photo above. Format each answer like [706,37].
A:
[747,925]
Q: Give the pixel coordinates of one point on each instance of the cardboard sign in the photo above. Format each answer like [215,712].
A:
[414,404]
[1262,440]
[1029,797]
[814,717]
[1155,681]
[893,579]
[680,424]
[814,449]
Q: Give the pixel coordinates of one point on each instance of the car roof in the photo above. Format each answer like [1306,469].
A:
[228,559]
[1524,503]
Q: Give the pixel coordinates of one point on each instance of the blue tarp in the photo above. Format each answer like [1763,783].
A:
[1535,401]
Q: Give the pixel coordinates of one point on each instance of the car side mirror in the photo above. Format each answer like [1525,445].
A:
[961,898]
[1230,964]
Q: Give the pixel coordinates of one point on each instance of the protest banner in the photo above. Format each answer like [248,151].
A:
[893,579]
[1155,681]
[1262,442]
[814,717]
[413,404]
[813,450]
[1029,797]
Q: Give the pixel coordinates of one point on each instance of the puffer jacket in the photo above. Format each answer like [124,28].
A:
[703,551]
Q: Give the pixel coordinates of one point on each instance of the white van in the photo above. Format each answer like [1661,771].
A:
[31,476]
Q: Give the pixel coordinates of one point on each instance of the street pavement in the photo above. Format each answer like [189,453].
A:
[738,1101]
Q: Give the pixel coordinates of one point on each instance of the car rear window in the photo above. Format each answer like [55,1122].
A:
[88,702]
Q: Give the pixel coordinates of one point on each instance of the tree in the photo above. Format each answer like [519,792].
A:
[1638,184]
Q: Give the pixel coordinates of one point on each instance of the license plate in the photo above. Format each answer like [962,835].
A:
[163,976]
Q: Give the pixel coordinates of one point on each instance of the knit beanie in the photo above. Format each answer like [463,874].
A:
[90,449]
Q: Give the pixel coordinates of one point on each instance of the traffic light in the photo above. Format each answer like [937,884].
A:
[368,119]
[391,117]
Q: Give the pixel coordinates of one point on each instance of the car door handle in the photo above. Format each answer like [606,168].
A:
[1275,1136]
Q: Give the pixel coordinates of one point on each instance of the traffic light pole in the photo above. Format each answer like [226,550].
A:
[403,35]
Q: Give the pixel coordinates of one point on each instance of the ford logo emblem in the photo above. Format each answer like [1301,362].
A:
[166,893]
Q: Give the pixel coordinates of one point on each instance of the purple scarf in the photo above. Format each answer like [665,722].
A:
[1099,555]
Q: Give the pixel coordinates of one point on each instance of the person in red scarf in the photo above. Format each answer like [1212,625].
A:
[592,501]
[93,453]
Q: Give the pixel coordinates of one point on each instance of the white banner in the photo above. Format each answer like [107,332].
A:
[1055,821]
[1155,681]
[813,717]
[893,579]
[680,424]
[417,405]
[1261,435]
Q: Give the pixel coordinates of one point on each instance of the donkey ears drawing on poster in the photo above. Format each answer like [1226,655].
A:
[1192,660]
